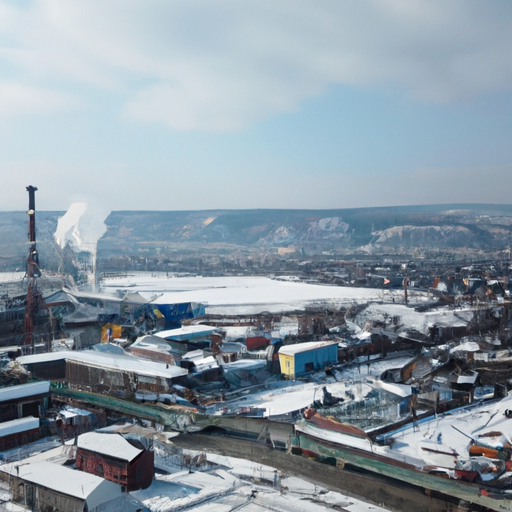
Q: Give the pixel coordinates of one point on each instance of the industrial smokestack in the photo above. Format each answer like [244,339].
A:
[33,256]
[32,270]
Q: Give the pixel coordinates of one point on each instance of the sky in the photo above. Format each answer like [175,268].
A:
[224,104]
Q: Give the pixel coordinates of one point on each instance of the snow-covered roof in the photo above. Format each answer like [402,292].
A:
[291,350]
[402,390]
[245,364]
[193,355]
[93,296]
[205,363]
[71,412]
[241,294]
[127,363]
[232,347]
[134,297]
[150,342]
[24,390]
[81,485]
[465,379]
[235,332]
[20,425]
[467,346]
[187,330]
[113,445]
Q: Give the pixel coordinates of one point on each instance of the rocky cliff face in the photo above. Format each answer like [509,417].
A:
[282,232]
[369,229]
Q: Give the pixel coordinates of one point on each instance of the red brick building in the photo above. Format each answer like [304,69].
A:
[127,461]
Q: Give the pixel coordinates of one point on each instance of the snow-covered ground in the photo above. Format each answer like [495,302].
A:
[220,483]
[238,484]
[245,295]
[409,318]
[443,432]
[285,397]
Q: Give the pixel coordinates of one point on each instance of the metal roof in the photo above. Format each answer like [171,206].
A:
[187,331]
[113,445]
[118,362]
[291,350]
[78,484]
[20,425]
[24,390]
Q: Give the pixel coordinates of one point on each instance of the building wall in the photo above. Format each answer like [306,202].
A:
[141,471]
[133,476]
[307,361]
[152,355]
[41,498]
[287,365]
[9,411]
[114,382]
[52,370]
[98,380]
[257,342]
[19,439]
[97,464]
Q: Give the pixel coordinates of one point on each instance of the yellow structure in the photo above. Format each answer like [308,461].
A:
[109,332]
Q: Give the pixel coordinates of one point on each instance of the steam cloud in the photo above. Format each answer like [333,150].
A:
[81,226]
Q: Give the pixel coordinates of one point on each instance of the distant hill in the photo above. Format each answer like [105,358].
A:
[164,235]
[371,229]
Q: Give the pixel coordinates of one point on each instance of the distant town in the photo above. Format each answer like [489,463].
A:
[284,360]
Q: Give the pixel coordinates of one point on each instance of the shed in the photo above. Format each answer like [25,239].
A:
[302,358]
[125,461]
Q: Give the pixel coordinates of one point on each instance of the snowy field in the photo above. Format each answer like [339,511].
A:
[245,295]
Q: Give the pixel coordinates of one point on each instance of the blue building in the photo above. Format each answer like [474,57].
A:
[302,358]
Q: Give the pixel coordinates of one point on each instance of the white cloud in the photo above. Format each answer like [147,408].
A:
[19,99]
[221,65]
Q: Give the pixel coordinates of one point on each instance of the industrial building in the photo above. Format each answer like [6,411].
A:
[47,486]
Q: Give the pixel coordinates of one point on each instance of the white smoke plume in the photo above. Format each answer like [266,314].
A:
[82,226]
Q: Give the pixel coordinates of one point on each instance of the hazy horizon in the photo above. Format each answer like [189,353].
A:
[433,207]
[191,105]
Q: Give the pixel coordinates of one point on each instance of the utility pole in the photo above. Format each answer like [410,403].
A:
[32,270]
